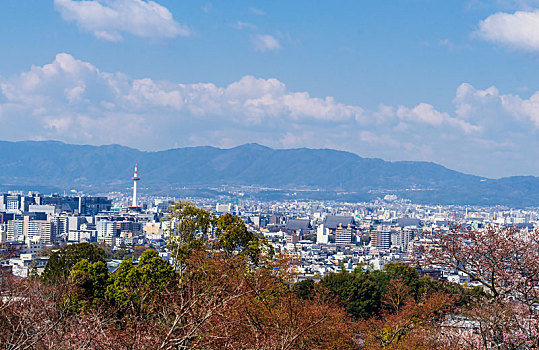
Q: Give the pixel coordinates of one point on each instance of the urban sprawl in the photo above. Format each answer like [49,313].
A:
[320,236]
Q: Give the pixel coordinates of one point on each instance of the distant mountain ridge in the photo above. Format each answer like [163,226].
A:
[56,165]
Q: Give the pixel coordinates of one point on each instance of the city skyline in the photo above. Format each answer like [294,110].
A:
[450,83]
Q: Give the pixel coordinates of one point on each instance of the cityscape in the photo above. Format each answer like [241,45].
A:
[269,175]
[320,235]
[317,241]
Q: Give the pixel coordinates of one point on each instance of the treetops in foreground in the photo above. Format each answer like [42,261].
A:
[227,290]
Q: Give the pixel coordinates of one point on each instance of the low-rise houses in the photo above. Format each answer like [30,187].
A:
[322,237]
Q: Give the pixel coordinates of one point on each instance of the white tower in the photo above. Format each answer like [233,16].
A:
[135,178]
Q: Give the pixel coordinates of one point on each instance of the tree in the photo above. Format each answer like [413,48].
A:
[304,289]
[6,251]
[357,291]
[135,287]
[233,237]
[185,221]
[505,261]
[224,304]
[60,262]
[88,282]
[138,250]
[407,323]
[33,314]
[122,254]
[218,304]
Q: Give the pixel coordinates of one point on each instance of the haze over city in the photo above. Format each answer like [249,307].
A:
[450,82]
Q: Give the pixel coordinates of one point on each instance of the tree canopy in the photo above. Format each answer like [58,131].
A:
[233,236]
[60,262]
[185,221]
[129,284]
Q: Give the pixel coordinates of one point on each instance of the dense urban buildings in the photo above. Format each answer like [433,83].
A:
[322,236]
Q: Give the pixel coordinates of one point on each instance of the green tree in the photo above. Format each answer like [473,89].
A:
[399,272]
[152,271]
[89,282]
[138,250]
[60,262]
[304,289]
[133,286]
[122,254]
[406,273]
[234,237]
[357,291]
[188,226]
[118,291]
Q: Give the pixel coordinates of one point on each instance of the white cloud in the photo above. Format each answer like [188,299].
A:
[240,25]
[451,45]
[508,110]
[264,43]
[108,19]
[257,11]
[74,101]
[426,113]
[525,108]
[519,30]
[68,85]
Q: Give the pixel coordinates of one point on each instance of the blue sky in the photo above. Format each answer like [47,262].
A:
[454,82]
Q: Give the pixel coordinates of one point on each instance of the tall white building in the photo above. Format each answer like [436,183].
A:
[15,230]
[106,228]
[322,234]
[42,229]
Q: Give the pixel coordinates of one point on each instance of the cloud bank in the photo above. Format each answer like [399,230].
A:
[519,30]
[108,19]
[74,101]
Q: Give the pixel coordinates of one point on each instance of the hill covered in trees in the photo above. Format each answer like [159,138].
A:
[301,173]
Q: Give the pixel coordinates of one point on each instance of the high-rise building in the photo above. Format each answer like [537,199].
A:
[381,239]
[343,235]
[322,234]
[42,229]
[13,202]
[15,231]
[401,238]
[107,228]
[60,225]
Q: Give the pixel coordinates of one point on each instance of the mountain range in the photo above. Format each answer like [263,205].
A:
[274,173]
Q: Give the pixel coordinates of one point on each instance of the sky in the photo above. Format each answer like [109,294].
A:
[452,82]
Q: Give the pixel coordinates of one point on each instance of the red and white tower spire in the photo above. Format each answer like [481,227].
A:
[135,178]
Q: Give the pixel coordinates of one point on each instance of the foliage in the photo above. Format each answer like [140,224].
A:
[304,289]
[105,247]
[138,250]
[357,290]
[88,282]
[505,261]
[60,262]
[47,251]
[233,236]
[220,304]
[410,325]
[224,301]
[131,285]
[396,308]
[32,313]
[122,254]
[185,221]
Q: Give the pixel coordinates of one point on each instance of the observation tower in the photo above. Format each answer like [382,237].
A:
[135,179]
